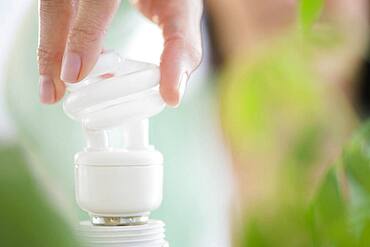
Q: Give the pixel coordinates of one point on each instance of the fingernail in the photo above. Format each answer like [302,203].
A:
[47,90]
[71,67]
[182,85]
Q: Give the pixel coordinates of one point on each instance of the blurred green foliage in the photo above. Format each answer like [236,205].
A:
[309,12]
[27,218]
[337,215]
[276,107]
[267,87]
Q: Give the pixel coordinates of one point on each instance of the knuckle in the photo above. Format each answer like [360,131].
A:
[195,53]
[46,58]
[46,4]
[192,48]
[50,7]
[81,37]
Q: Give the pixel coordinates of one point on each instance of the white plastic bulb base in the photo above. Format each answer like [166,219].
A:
[117,185]
[148,235]
[122,186]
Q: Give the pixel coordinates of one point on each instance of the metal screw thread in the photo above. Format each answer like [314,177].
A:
[119,221]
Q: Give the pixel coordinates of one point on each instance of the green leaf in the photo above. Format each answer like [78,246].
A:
[365,237]
[309,12]
[356,162]
[254,236]
[356,158]
[330,214]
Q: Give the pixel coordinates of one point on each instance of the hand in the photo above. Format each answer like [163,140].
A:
[72,32]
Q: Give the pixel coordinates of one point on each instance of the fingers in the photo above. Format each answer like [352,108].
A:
[178,61]
[55,17]
[80,43]
[68,50]
[182,48]
[85,38]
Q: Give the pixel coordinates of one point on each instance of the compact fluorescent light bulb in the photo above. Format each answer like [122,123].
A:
[117,186]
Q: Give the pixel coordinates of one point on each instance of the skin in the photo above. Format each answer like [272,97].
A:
[71,34]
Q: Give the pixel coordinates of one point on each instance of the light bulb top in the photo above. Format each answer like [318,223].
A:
[116,91]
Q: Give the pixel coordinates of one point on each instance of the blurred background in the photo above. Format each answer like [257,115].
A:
[270,146]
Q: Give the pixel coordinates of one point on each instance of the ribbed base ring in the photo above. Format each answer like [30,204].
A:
[147,235]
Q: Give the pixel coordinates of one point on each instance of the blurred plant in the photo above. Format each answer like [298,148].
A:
[309,12]
[27,217]
[287,125]
[337,215]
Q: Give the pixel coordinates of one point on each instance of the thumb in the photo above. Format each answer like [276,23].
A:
[85,38]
